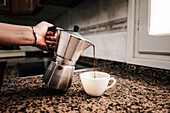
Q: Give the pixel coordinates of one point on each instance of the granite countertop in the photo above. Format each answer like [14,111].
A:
[130,94]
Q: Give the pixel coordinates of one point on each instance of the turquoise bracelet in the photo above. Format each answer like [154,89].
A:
[34,32]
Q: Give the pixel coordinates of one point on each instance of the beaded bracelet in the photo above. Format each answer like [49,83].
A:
[34,32]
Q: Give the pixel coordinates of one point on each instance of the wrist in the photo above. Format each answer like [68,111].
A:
[25,35]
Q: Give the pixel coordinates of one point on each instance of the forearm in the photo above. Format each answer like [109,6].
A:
[16,35]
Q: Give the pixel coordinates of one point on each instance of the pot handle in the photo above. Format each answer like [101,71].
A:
[53,29]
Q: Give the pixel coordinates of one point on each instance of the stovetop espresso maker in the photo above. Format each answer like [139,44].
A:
[69,45]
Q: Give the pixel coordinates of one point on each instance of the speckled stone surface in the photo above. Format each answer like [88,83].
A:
[157,74]
[130,94]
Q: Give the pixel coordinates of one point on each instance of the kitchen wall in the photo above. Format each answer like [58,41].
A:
[104,23]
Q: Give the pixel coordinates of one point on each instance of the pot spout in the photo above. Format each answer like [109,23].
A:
[86,44]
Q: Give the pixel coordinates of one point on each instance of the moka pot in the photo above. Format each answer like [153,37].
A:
[68,48]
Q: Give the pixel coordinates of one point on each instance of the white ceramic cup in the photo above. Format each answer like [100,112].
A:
[96,86]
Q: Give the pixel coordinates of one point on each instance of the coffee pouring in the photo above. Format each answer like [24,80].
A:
[68,48]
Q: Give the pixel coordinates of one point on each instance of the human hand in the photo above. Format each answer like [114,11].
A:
[50,40]
[41,31]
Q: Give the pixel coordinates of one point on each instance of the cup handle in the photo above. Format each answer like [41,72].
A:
[114,82]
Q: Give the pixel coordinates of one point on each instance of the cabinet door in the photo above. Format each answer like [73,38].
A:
[154,46]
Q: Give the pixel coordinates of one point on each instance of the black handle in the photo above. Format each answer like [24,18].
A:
[53,29]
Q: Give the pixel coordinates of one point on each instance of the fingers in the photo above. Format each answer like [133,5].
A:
[49,33]
[51,44]
[51,38]
[52,47]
